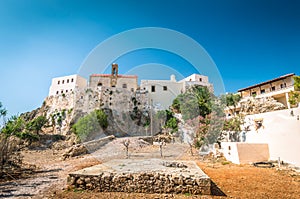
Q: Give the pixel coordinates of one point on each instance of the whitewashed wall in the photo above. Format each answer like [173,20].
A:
[280,130]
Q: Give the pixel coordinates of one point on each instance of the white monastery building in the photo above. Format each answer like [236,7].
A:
[66,84]
[163,92]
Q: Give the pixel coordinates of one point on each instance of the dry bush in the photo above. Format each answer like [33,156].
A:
[10,157]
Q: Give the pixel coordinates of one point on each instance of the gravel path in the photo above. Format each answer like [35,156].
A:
[51,172]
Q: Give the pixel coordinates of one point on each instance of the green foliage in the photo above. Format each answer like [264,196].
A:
[176,104]
[233,124]
[297,83]
[167,120]
[89,124]
[196,101]
[70,111]
[203,111]
[37,124]
[172,123]
[102,118]
[3,111]
[230,99]
[63,113]
[88,90]
[294,98]
[26,135]
[14,126]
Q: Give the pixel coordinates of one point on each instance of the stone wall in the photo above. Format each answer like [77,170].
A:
[143,182]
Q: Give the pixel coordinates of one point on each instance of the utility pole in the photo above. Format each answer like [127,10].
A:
[151,125]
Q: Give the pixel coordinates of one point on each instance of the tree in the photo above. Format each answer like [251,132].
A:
[37,124]
[297,83]
[176,104]
[203,111]
[3,112]
[161,143]
[126,145]
[14,126]
[172,123]
[294,98]
[167,120]
[196,101]
[86,127]
[102,118]
[231,100]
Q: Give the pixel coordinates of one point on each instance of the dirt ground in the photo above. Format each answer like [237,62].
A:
[229,180]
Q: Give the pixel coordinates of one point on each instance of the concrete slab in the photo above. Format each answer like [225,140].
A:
[138,165]
[143,176]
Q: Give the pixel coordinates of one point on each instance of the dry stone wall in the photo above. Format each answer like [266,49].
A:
[143,182]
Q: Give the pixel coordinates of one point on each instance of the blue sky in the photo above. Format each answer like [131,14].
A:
[249,41]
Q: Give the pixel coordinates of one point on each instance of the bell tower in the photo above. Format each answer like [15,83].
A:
[114,75]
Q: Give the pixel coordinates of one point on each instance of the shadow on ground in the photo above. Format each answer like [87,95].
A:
[215,190]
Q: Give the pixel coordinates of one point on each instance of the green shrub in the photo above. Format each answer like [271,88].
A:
[89,124]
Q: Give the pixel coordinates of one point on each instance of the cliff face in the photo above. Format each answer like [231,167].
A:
[127,111]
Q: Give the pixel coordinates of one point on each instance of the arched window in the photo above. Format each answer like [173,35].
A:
[99,84]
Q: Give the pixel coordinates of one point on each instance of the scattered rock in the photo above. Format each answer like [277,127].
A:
[75,150]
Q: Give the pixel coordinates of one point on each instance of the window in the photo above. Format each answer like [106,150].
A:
[254,94]
[61,91]
[66,91]
[57,92]
[263,91]
[152,88]
[165,88]
[200,79]
[124,86]
[283,85]
[58,82]
[99,84]
[273,88]
[63,81]
[72,80]
[68,80]
[71,90]
[132,89]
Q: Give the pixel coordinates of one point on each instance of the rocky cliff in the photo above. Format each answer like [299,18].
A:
[127,111]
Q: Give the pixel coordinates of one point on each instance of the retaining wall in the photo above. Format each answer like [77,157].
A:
[144,182]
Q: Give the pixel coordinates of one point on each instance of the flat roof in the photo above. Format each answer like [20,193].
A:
[267,82]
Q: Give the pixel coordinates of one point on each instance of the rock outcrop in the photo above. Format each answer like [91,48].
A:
[260,105]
